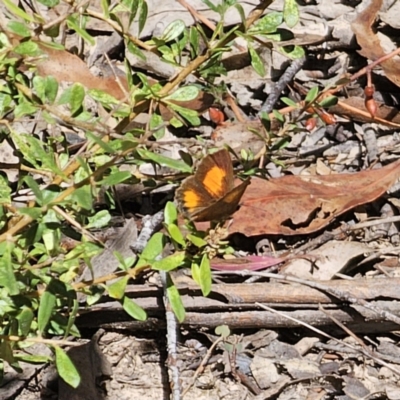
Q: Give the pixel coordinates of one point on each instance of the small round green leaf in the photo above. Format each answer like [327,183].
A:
[223,330]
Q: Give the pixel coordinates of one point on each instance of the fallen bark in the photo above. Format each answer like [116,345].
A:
[234,305]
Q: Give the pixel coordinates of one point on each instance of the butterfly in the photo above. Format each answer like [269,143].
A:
[210,194]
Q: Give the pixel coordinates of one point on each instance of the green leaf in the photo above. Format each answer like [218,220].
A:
[136,51]
[142,15]
[99,220]
[289,102]
[40,87]
[102,97]
[82,197]
[6,352]
[195,271]
[278,116]
[76,97]
[293,52]
[116,177]
[5,103]
[5,191]
[134,310]
[190,115]
[51,234]
[196,240]
[33,359]
[291,13]
[176,234]
[170,213]
[47,303]
[175,122]
[7,275]
[24,108]
[169,263]
[49,3]
[328,101]
[66,368]
[175,300]
[268,24]
[73,312]
[157,126]
[96,139]
[152,250]
[117,289]
[73,24]
[19,28]
[18,11]
[223,330]
[205,275]
[194,40]
[241,12]
[133,6]
[105,7]
[24,318]
[211,5]
[52,31]
[173,30]
[164,161]
[34,212]
[124,262]
[256,62]
[185,93]
[312,95]
[28,48]
[96,293]
[37,191]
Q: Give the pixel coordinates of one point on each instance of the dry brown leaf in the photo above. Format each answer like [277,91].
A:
[326,261]
[369,42]
[294,205]
[67,67]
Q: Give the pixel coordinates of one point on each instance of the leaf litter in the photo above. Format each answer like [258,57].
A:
[288,210]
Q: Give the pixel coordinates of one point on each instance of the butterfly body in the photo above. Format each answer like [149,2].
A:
[210,194]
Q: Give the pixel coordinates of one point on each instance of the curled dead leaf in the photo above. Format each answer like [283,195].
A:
[295,205]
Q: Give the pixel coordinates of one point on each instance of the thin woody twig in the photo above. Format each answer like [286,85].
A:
[202,365]
[285,78]
[172,341]
[344,296]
